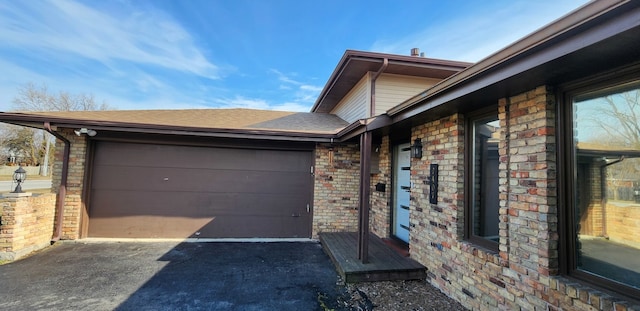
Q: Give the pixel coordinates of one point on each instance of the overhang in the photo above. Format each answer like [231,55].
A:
[228,123]
[596,37]
[355,64]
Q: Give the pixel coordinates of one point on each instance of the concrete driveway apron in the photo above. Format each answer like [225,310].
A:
[172,276]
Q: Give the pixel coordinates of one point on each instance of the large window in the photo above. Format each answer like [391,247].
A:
[604,186]
[482,200]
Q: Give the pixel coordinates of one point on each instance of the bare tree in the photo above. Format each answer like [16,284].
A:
[33,98]
[613,122]
[34,147]
[619,117]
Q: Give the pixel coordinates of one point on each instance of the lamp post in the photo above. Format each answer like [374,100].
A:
[19,176]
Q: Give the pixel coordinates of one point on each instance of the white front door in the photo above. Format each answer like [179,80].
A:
[401,191]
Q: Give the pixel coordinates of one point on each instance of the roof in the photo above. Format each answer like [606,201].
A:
[355,64]
[198,120]
[606,149]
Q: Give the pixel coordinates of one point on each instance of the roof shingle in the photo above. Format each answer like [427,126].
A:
[228,119]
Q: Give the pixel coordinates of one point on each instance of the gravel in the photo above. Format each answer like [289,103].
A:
[397,296]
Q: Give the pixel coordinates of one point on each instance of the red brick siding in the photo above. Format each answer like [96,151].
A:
[523,275]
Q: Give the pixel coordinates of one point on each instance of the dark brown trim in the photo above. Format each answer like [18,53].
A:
[86,189]
[62,190]
[356,128]
[556,40]
[350,57]
[197,141]
[37,121]
[372,107]
[567,175]
[365,196]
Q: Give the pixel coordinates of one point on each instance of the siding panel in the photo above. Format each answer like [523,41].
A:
[355,105]
[392,90]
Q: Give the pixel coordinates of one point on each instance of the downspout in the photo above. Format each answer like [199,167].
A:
[372,107]
[604,195]
[365,177]
[62,191]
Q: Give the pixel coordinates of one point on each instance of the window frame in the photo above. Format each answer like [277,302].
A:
[469,139]
[566,160]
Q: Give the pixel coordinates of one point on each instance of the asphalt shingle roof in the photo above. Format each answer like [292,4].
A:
[230,119]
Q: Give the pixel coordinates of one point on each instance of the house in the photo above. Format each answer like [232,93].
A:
[498,176]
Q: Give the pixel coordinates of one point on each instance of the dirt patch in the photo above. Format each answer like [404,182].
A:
[398,296]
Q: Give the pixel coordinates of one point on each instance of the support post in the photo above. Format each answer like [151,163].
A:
[364,198]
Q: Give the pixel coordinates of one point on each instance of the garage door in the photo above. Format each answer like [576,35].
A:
[167,191]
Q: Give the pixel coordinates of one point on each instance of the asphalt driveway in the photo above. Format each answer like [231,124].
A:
[172,276]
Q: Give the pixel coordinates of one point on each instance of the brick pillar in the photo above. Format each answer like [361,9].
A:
[26,224]
[337,180]
[75,182]
[528,211]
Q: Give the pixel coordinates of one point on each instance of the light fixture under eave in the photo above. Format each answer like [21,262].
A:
[416,149]
[85,130]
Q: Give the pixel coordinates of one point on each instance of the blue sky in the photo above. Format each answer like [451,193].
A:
[263,54]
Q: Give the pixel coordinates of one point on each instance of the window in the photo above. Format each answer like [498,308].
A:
[482,183]
[603,183]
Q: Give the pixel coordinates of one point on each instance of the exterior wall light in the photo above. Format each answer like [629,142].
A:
[85,130]
[416,149]
[19,176]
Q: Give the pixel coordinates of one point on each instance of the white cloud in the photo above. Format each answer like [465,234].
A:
[476,35]
[62,27]
[303,94]
[292,107]
[258,103]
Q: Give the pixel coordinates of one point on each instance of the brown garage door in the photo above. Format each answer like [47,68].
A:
[167,191]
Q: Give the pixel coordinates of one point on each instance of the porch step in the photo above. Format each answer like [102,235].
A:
[384,264]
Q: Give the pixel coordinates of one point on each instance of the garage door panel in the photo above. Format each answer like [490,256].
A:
[169,156]
[170,179]
[180,227]
[282,227]
[147,191]
[118,204]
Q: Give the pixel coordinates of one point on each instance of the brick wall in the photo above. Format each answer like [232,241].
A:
[523,274]
[623,223]
[73,207]
[26,224]
[337,179]
[436,229]
[380,211]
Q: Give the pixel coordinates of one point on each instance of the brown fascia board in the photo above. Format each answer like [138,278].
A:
[38,122]
[363,125]
[378,58]
[539,38]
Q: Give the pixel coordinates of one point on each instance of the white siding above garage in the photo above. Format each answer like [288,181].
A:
[392,90]
[355,105]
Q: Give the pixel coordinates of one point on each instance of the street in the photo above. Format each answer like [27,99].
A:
[9,186]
